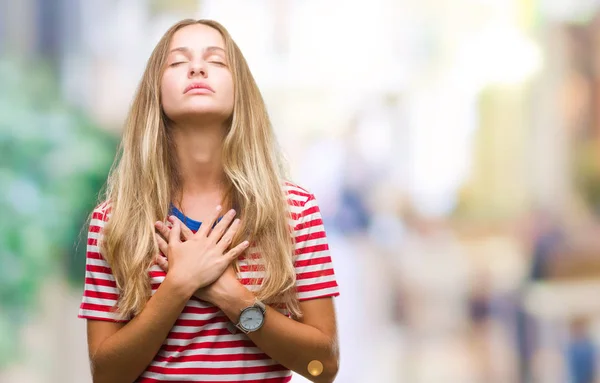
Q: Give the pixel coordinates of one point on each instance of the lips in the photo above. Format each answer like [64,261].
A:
[198,85]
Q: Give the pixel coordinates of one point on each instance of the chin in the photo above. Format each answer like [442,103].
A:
[201,115]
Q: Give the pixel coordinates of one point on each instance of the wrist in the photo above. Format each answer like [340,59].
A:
[178,288]
[233,300]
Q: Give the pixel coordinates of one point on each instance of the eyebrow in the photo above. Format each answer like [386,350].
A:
[187,50]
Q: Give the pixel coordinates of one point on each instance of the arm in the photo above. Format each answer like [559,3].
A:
[121,353]
[293,344]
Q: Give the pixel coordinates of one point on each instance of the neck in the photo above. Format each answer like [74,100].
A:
[199,157]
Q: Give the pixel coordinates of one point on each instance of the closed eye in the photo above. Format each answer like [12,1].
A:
[217,63]
[176,63]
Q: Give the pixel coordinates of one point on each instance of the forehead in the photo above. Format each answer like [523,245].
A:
[197,37]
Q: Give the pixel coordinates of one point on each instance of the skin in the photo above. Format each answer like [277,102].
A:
[200,264]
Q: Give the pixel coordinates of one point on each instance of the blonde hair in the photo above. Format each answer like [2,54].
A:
[144,181]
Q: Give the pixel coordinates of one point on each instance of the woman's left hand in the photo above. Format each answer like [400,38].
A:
[225,284]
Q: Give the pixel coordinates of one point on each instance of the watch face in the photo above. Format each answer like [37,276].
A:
[252,319]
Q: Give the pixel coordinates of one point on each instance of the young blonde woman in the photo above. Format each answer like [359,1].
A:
[204,263]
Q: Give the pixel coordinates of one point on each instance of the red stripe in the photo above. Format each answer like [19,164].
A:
[101,282]
[312,261]
[284,379]
[307,212]
[315,274]
[330,295]
[92,242]
[312,249]
[316,286]
[310,236]
[95,229]
[307,224]
[211,358]
[200,310]
[100,295]
[302,193]
[98,269]
[157,274]
[311,210]
[251,281]
[252,268]
[209,345]
[98,215]
[94,307]
[215,371]
[95,255]
[85,316]
[287,183]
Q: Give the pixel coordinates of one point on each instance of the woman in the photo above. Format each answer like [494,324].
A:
[244,300]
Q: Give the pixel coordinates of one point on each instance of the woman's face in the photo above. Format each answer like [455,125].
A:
[197,84]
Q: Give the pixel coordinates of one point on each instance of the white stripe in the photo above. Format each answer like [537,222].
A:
[311,217]
[94,235]
[201,317]
[97,262]
[99,314]
[312,242]
[202,339]
[215,364]
[212,351]
[311,268]
[317,293]
[191,329]
[309,230]
[216,378]
[313,281]
[99,301]
[99,275]
[93,249]
[101,289]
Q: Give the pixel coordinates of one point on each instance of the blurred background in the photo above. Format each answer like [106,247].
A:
[454,147]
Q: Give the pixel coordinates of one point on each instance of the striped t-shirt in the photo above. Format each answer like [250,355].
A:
[200,347]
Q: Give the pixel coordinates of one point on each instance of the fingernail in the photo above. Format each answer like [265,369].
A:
[237,220]
[245,243]
[232,212]
[219,207]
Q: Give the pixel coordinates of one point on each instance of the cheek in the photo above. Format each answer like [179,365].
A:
[168,87]
[229,92]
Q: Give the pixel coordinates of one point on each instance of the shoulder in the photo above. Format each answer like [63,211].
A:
[101,213]
[297,196]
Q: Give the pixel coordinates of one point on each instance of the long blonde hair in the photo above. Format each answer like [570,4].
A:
[144,181]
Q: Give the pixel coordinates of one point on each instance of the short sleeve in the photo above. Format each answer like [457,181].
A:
[100,292]
[315,277]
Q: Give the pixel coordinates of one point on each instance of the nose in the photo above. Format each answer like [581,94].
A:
[197,68]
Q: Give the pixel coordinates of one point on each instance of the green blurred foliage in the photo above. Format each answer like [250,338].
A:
[53,162]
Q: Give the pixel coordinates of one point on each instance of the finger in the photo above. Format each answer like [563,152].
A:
[236,251]
[162,229]
[175,234]
[227,238]
[186,232]
[218,231]
[206,226]
[162,263]
[163,246]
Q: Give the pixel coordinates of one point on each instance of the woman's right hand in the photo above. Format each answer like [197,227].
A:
[202,258]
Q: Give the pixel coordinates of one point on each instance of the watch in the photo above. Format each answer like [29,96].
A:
[252,317]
